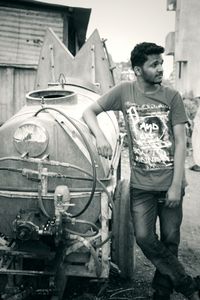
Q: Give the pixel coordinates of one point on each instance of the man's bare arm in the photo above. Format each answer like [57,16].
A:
[90,117]
[174,192]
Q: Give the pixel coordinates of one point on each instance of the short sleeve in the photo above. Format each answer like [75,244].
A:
[178,114]
[112,99]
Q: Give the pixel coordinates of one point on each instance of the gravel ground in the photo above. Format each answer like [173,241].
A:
[140,287]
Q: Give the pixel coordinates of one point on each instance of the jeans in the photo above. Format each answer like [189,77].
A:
[163,251]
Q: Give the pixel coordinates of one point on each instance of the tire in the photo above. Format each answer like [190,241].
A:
[123,241]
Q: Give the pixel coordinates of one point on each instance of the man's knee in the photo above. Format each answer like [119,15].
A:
[145,240]
[171,238]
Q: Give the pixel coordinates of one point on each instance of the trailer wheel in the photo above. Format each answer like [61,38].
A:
[123,241]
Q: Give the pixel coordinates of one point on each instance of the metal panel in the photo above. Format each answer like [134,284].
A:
[24,80]
[90,67]
[22,32]
[15,83]
[6,93]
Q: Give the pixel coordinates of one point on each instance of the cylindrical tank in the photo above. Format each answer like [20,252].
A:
[41,132]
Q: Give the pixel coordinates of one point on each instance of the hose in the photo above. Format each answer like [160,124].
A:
[88,245]
[110,200]
[11,170]
[89,151]
[84,234]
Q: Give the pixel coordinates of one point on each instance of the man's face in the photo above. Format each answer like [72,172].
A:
[152,70]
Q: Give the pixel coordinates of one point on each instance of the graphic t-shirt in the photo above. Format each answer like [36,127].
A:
[150,136]
[149,119]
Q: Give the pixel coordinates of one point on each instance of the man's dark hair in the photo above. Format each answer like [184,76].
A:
[140,52]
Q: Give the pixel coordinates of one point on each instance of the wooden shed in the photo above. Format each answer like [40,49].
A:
[23,24]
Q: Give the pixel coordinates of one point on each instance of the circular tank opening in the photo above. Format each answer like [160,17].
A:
[51,97]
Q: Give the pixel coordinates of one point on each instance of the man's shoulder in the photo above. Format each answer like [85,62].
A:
[125,87]
[169,91]
[125,83]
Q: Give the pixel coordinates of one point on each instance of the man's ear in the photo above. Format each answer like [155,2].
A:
[137,70]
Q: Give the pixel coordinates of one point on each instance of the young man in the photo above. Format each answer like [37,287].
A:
[155,122]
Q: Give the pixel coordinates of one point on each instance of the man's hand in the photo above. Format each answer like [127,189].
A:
[90,117]
[173,196]
[103,147]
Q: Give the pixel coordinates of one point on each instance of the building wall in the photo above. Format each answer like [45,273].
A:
[22,32]
[186,47]
[15,83]
[23,25]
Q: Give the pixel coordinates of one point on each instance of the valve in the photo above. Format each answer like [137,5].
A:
[25,225]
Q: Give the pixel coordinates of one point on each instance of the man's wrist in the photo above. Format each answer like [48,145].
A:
[176,184]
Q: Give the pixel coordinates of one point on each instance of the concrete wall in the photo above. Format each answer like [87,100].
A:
[186,47]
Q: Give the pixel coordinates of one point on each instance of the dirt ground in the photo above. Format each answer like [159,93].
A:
[140,287]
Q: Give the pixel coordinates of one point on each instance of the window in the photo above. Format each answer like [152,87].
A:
[171,5]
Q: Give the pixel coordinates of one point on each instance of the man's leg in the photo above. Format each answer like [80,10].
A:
[144,209]
[170,222]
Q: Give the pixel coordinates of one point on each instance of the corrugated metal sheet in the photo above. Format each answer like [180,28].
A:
[23,25]
[6,93]
[24,80]
[22,33]
[56,3]
[15,83]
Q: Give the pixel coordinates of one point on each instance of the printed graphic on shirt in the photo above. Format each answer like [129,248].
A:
[150,134]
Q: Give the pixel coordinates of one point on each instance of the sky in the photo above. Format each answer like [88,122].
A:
[124,23]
